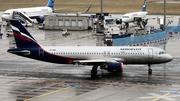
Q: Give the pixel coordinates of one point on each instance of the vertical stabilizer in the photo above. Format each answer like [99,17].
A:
[51,4]
[144,6]
[22,37]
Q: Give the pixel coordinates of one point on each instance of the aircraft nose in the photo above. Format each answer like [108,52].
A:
[6,17]
[169,57]
[124,20]
[3,17]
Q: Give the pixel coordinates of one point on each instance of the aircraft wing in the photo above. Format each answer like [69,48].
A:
[87,10]
[98,61]
[151,18]
[60,9]
[78,13]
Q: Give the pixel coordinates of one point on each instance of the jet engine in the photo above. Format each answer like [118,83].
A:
[40,19]
[113,67]
[145,22]
[118,21]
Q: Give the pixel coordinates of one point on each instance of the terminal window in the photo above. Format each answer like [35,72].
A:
[60,22]
[80,23]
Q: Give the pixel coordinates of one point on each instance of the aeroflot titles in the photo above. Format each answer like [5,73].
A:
[130,48]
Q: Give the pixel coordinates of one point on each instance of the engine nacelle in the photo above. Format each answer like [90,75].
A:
[145,22]
[113,67]
[40,19]
[118,21]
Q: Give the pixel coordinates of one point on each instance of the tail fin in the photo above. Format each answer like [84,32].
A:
[51,4]
[144,6]
[22,37]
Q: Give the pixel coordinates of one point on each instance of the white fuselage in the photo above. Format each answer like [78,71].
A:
[27,46]
[127,55]
[30,12]
[129,17]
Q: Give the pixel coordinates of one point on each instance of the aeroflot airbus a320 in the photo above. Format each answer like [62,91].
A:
[109,58]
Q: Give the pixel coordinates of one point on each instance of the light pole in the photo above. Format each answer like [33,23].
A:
[102,16]
[164,28]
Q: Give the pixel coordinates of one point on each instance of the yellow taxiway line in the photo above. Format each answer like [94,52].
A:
[55,91]
[160,97]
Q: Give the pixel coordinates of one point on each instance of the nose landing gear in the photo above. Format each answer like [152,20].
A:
[149,70]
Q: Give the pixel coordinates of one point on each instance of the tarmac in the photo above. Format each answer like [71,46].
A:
[23,79]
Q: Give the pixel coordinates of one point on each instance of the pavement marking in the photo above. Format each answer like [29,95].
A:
[171,91]
[156,97]
[25,69]
[160,97]
[55,91]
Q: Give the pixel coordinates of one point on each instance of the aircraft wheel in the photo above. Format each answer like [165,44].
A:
[94,72]
[150,71]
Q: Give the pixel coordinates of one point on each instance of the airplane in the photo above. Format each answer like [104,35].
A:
[37,13]
[30,13]
[110,58]
[134,16]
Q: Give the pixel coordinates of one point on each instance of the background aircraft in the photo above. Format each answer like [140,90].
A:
[29,13]
[110,58]
[134,16]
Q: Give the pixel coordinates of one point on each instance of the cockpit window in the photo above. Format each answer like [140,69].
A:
[125,16]
[161,52]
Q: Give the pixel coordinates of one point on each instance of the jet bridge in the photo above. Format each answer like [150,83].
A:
[21,16]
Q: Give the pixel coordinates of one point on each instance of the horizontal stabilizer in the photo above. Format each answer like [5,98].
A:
[22,52]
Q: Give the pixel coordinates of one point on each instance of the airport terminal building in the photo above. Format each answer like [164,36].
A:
[70,22]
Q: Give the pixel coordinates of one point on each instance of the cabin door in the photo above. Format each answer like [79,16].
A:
[106,54]
[150,53]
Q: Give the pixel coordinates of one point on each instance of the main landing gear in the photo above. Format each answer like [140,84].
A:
[126,26]
[94,71]
[149,70]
